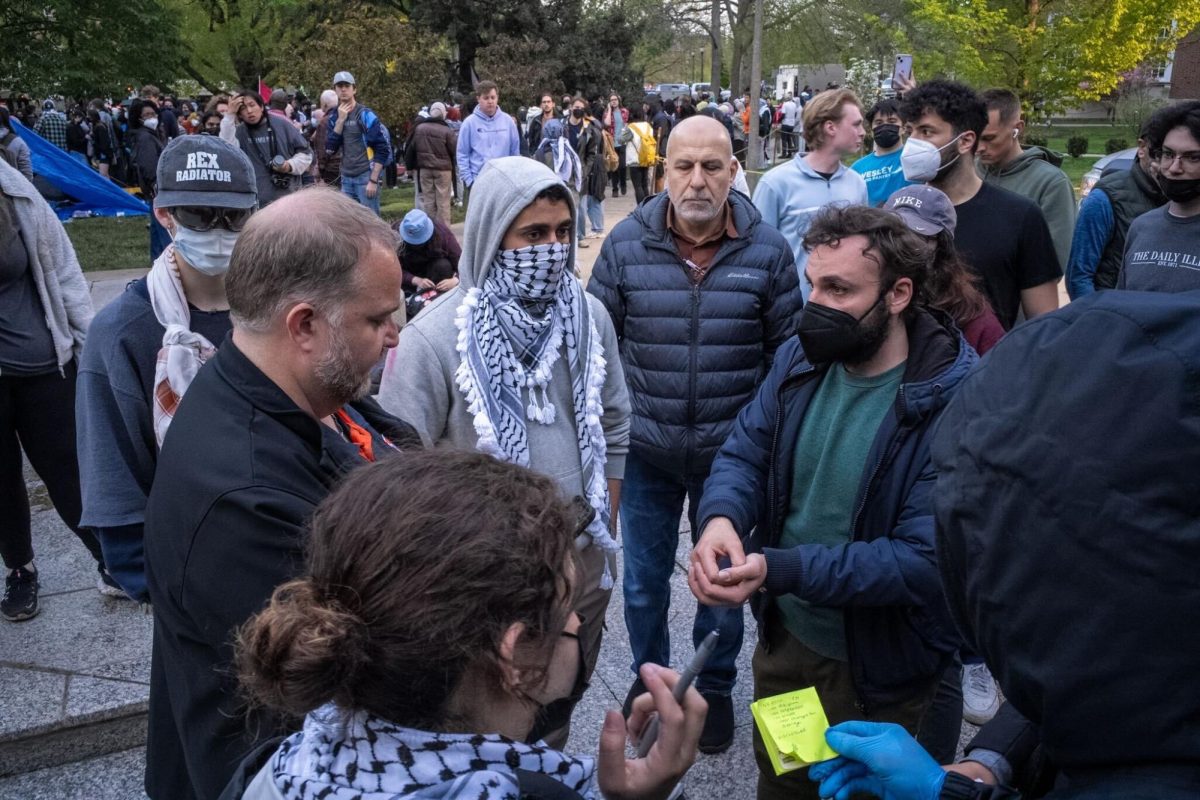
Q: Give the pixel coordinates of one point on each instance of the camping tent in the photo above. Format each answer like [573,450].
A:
[92,193]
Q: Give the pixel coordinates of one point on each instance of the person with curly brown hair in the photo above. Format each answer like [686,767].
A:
[431,641]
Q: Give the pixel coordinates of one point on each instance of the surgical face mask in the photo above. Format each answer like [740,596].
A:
[207,252]
[1179,190]
[886,135]
[922,160]
[829,335]
[151,123]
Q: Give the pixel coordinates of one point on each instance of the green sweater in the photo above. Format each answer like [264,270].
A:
[827,468]
[1035,174]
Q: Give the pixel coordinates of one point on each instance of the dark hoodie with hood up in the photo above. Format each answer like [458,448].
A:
[1068,541]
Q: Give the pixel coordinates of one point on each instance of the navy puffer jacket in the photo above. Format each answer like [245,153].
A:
[694,353]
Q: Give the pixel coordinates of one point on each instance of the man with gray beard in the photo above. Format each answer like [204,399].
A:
[276,418]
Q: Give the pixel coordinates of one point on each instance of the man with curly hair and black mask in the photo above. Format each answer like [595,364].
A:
[1002,236]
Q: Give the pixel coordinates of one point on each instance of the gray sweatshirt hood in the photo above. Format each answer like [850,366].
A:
[503,190]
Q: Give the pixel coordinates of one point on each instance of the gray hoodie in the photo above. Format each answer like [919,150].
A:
[1037,174]
[418,380]
[66,299]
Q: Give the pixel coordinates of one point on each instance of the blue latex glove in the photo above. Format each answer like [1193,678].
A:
[877,758]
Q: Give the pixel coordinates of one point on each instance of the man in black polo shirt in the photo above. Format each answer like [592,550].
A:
[1002,236]
[267,427]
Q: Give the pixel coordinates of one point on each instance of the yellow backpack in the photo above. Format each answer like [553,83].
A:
[647,145]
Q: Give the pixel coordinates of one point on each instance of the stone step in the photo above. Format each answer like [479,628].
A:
[74,680]
[116,776]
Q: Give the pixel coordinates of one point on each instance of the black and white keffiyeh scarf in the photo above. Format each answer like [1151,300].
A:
[511,332]
[355,756]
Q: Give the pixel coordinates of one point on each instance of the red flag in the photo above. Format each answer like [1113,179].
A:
[264,91]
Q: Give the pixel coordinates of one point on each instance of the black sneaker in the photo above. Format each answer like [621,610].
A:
[717,735]
[637,689]
[20,595]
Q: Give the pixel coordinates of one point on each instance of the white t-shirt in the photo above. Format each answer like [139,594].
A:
[791,111]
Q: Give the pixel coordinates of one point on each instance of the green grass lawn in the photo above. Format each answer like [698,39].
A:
[111,242]
[103,243]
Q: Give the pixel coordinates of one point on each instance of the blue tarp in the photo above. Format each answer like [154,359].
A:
[92,192]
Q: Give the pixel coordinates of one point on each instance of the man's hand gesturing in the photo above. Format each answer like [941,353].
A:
[715,585]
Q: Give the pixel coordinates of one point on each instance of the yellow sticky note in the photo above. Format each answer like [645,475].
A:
[793,728]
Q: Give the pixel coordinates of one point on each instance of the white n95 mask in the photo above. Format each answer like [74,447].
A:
[921,161]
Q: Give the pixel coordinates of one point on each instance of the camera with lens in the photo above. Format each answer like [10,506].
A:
[281,180]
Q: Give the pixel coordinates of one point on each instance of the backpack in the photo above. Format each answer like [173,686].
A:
[611,160]
[647,148]
[9,156]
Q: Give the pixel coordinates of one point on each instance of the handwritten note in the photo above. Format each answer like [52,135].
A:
[793,729]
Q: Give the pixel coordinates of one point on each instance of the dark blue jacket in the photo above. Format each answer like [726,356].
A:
[694,352]
[1069,533]
[885,578]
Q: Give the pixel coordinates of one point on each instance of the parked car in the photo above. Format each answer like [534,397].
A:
[669,91]
[699,88]
[885,89]
[1122,159]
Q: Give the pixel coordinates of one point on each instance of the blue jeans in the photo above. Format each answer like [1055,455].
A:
[356,187]
[594,212]
[651,504]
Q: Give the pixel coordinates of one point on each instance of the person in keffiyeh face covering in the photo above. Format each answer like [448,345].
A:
[147,345]
[520,363]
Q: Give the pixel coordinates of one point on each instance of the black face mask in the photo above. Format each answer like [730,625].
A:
[577,113]
[557,713]
[828,335]
[886,135]
[1180,190]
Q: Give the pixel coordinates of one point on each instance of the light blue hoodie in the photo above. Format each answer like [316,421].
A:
[790,196]
[482,138]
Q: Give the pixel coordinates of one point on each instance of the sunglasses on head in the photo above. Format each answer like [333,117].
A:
[205,218]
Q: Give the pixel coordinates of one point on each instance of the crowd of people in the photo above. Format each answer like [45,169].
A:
[379,554]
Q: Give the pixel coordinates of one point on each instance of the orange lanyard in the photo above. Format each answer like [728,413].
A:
[359,436]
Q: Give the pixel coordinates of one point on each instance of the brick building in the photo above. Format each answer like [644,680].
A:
[1183,70]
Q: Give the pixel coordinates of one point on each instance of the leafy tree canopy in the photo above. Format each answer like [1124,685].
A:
[86,48]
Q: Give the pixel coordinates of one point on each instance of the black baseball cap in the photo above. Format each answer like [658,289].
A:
[205,171]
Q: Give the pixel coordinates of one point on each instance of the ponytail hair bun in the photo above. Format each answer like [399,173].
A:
[301,651]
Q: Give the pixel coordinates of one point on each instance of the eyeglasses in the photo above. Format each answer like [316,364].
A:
[205,218]
[1166,158]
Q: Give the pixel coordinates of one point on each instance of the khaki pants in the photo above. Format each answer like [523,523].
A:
[592,605]
[434,197]
[790,666]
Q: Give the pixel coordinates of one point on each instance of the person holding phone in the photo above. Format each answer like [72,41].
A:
[431,642]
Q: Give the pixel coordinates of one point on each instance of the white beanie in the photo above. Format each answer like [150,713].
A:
[438,110]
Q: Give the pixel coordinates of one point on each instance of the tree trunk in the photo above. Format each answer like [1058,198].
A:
[714,78]
[754,157]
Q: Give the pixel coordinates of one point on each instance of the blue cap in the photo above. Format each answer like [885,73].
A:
[416,227]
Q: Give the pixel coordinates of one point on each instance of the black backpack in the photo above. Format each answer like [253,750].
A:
[8,155]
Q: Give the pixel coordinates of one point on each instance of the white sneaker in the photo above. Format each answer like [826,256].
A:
[980,701]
